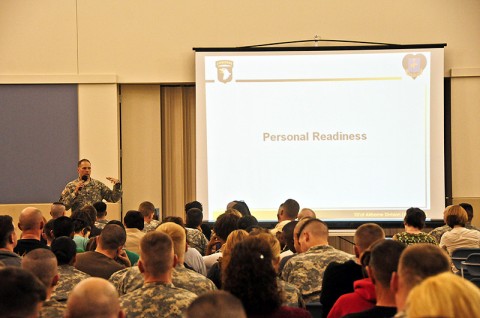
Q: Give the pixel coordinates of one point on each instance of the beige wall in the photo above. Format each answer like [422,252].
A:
[103,43]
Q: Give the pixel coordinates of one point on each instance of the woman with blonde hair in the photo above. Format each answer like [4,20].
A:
[456,217]
[444,295]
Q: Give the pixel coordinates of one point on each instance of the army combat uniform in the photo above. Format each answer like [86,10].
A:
[53,309]
[157,300]
[291,295]
[93,191]
[305,270]
[197,240]
[69,278]
[147,227]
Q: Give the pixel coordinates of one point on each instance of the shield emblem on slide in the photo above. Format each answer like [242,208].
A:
[414,64]
[224,70]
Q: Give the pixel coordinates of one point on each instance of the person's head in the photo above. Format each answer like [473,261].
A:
[415,217]
[247,222]
[47,231]
[194,218]
[174,219]
[81,227]
[94,297]
[455,215]
[193,204]
[274,245]
[43,264]
[112,238]
[178,236]
[84,168]
[216,304]
[91,212]
[233,239]
[8,238]
[57,210]
[147,209]
[306,213]
[65,250]
[365,235]
[133,220]
[384,256]
[156,254]
[469,209]
[251,276]
[63,226]
[241,207]
[313,232]
[444,295]
[296,232]
[225,224]
[417,262]
[289,210]
[101,208]
[287,234]
[31,220]
[22,293]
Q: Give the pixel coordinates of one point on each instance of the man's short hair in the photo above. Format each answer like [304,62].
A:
[225,224]
[216,304]
[112,237]
[57,209]
[30,220]
[63,226]
[79,163]
[101,208]
[455,215]
[287,231]
[366,234]
[48,229]
[420,261]
[193,204]
[247,222]
[64,249]
[133,220]
[415,217]
[6,229]
[178,235]
[291,208]
[469,209]
[146,208]
[156,252]
[42,263]
[194,218]
[384,258]
[21,293]
[91,212]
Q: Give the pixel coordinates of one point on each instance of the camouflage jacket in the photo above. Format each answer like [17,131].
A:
[157,300]
[197,240]
[150,226]
[93,191]
[69,277]
[101,224]
[53,309]
[290,294]
[305,270]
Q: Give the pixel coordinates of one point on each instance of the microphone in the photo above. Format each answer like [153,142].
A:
[84,178]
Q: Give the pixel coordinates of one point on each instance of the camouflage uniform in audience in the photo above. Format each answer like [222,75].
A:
[130,279]
[53,309]
[101,224]
[157,300]
[291,294]
[197,240]
[439,231]
[150,226]
[305,270]
[69,278]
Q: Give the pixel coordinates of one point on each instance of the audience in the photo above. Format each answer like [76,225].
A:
[101,208]
[439,231]
[216,304]
[31,224]
[287,237]
[8,241]
[414,222]
[92,217]
[195,236]
[148,210]
[207,231]
[57,210]
[287,212]
[63,226]
[81,228]
[306,213]
[247,222]
[459,236]
[134,224]
[223,226]
[47,232]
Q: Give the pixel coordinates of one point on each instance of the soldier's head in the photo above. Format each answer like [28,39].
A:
[22,294]
[365,235]
[306,212]
[63,226]
[84,168]
[65,250]
[296,231]
[133,220]
[384,256]
[57,210]
[101,208]
[31,221]
[288,210]
[147,209]
[178,236]
[112,238]
[156,254]
[94,297]
[216,304]
[313,232]
[194,218]
[8,237]
[193,204]
[43,264]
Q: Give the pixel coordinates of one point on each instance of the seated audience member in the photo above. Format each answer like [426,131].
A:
[195,236]
[8,241]
[459,236]
[223,226]
[65,251]
[132,256]
[215,272]
[247,222]
[94,297]
[92,217]
[287,212]
[207,231]
[305,270]
[148,210]
[416,263]
[296,245]
[414,222]
[31,224]
[101,262]
[287,237]
[383,263]
[82,231]
[439,231]
[250,275]
[57,210]
[21,293]
[43,264]
[133,221]
[306,213]
[444,295]
[216,304]
[339,278]
[157,297]
[469,209]
[131,279]
[47,232]
[240,206]
[101,220]
[63,226]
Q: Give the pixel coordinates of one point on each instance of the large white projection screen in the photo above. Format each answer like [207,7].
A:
[353,134]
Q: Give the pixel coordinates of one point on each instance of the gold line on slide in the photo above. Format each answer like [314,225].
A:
[345,79]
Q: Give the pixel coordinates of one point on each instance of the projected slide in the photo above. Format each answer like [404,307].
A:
[347,135]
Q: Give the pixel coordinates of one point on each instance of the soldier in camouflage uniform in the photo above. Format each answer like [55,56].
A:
[291,294]
[69,278]
[197,240]
[148,209]
[79,193]
[157,297]
[305,270]
[53,309]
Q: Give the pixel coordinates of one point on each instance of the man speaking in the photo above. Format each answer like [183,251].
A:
[86,191]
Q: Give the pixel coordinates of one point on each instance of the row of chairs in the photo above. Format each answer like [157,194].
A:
[467,261]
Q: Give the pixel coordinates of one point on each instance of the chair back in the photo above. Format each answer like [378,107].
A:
[472,264]
[461,254]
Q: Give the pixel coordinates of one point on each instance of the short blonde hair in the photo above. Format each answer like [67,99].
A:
[178,236]
[455,215]
[444,295]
